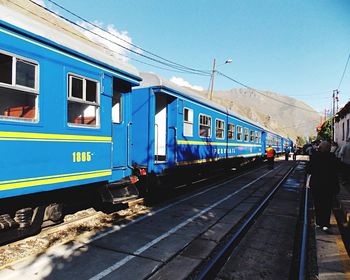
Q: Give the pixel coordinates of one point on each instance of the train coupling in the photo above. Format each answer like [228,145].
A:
[139,170]
[120,191]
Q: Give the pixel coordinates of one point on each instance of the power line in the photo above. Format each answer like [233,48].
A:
[120,38]
[342,76]
[173,66]
[168,64]
[262,93]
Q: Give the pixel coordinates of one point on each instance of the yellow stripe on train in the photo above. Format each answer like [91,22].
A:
[54,179]
[188,142]
[28,136]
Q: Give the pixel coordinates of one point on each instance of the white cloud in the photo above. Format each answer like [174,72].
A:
[114,40]
[183,83]
[40,2]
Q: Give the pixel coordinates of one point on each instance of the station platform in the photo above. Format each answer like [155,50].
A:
[333,259]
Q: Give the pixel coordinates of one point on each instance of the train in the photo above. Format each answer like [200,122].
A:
[181,133]
[77,123]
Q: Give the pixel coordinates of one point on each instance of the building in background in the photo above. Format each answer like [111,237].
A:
[342,125]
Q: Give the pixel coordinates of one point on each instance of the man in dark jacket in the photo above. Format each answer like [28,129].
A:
[323,183]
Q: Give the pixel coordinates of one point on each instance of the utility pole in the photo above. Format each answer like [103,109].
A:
[213,77]
[335,99]
[212,80]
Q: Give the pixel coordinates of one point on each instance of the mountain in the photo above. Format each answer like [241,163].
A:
[282,114]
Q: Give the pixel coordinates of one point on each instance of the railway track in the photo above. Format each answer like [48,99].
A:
[86,223]
[217,260]
[225,203]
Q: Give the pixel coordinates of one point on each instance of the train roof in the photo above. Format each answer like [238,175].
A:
[154,80]
[34,19]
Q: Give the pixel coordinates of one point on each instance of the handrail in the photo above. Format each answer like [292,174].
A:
[128,146]
[156,126]
[175,143]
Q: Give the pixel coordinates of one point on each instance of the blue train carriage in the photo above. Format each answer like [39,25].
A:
[64,120]
[181,133]
[287,144]
[274,140]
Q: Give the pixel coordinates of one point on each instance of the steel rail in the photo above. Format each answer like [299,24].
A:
[211,267]
[303,255]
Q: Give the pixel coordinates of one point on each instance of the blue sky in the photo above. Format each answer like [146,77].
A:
[296,48]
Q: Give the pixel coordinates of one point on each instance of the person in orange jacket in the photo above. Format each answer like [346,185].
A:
[270,155]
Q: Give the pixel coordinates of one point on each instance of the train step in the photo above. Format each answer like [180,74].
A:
[117,194]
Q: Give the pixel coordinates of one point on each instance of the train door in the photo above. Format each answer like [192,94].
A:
[160,128]
[165,120]
[263,142]
[121,126]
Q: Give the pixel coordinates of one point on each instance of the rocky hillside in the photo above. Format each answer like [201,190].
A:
[283,114]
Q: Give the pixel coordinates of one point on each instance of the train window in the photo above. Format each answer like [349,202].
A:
[25,73]
[18,88]
[77,87]
[117,107]
[6,69]
[231,131]
[188,122]
[219,129]
[246,134]
[239,133]
[204,126]
[257,137]
[83,101]
[252,135]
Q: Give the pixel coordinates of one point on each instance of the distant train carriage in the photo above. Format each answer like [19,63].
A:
[177,130]
[64,119]
[274,140]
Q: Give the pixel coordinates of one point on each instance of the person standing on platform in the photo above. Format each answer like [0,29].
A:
[270,155]
[286,153]
[322,178]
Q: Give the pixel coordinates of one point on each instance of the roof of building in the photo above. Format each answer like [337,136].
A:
[33,18]
[343,111]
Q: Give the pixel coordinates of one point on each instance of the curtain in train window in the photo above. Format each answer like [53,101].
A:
[239,133]
[18,88]
[219,129]
[252,135]
[83,101]
[204,126]
[231,131]
[246,135]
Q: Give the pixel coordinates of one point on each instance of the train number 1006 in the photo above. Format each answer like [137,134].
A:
[81,156]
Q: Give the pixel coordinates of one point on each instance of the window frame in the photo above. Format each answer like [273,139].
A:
[245,129]
[251,135]
[257,133]
[239,127]
[221,129]
[187,122]
[199,125]
[233,131]
[24,89]
[71,98]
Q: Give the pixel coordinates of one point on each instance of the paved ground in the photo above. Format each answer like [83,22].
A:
[332,258]
[267,251]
